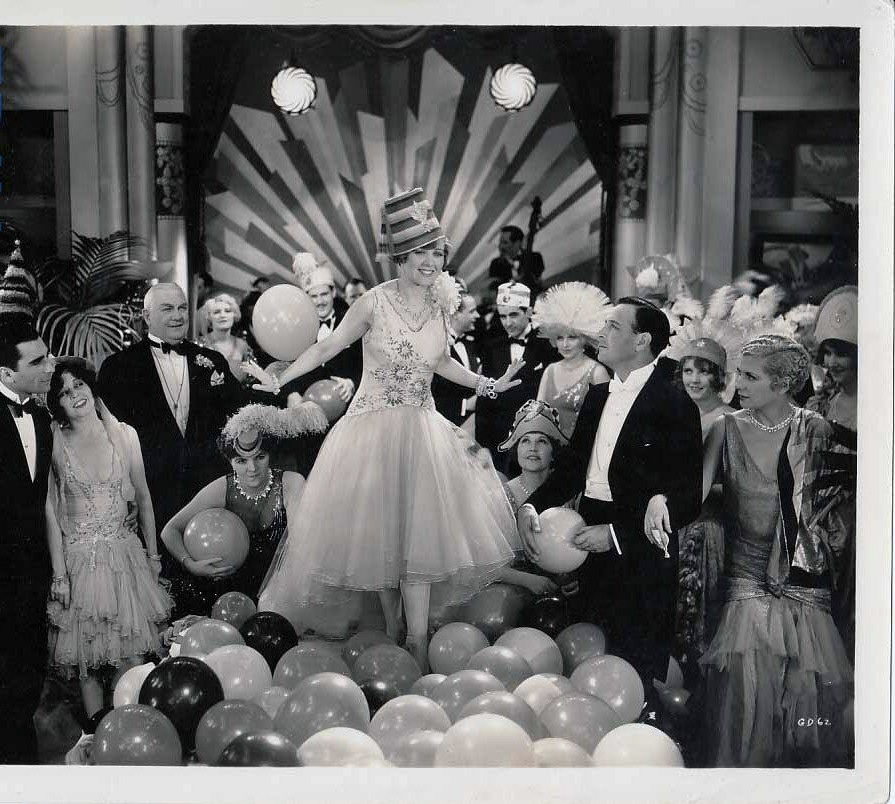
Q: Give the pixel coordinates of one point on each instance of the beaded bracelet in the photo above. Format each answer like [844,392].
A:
[485,387]
[276,386]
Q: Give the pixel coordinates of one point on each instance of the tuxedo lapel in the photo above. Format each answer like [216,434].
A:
[157,402]
[644,405]
[14,459]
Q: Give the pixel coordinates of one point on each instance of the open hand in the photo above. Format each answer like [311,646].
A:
[506,381]
[593,538]
[205,567]
[539,585]
[344,388]
[266,381]
[529,525]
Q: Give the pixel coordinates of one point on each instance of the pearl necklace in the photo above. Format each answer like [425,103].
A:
[774,428]
[254,497]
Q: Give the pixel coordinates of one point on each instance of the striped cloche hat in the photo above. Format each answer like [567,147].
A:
[408,223]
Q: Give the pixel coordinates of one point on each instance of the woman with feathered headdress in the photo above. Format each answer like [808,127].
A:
[570,315]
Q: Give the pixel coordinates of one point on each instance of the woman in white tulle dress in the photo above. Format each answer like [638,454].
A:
[399,498]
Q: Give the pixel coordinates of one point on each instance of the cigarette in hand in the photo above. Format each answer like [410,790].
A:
[661,539]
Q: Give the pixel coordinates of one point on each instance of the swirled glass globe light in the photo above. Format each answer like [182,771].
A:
[293,90]
[513,87]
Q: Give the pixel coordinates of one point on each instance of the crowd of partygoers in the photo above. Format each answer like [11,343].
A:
[570,524]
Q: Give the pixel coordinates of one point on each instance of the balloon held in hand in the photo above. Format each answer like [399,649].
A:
[217,533]
[285,322]
[323,393]
[556,551]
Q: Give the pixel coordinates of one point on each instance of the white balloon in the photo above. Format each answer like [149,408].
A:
[556,752]
[539,690]
[127,690]
[485,741]
[538,649]
[637,744]
[338,746]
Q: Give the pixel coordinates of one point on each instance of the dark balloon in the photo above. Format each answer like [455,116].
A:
[495,610]
[183,689]
[270,634]
[96,719]
[259,749]
[136,735]
[674,701]
[378,692]
[547,614]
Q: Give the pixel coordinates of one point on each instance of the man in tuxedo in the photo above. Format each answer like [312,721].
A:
[26,444]
[353,290]
[494,417]
[637,447]
[346,367]
[177,396]
[451,400]
[513,263]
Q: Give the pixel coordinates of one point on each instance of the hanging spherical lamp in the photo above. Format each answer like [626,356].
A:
[293,90]
[513,87]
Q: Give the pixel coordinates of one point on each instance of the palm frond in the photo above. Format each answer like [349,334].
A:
[93,334]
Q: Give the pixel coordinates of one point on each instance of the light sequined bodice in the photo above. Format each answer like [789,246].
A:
[400,355]
[568,401]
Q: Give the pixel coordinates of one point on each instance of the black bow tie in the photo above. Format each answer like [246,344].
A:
[179,347]
[329,321]
[18,409]
[520,341]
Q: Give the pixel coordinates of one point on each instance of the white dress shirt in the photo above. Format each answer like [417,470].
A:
[517,349]
[175,378]
[622,396]
[460,348]
[326,326]
[25,426]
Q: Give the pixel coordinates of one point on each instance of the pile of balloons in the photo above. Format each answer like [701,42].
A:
[245,691]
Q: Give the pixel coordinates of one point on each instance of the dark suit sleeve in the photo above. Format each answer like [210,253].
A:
[683,483]
[112,386]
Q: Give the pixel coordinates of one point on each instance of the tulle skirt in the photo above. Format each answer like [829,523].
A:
[115,610]
[778,682]
[396,495]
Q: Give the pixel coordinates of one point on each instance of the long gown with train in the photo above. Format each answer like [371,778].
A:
[778,678]
[397,493]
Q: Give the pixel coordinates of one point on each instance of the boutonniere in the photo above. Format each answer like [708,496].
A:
[203,361]
[217,378]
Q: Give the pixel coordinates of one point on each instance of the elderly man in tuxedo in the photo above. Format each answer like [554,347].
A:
[26,444]
[636,448]
[451,400]
[177,396]
[494,417]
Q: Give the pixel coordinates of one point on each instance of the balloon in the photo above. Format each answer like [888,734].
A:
[338,747]
[579,642]
[555,752]
[612,680]
[320,702]
[427,684]
[264,749]
[136,735]
[270,634]
[535,647]
[496,609]
[306,659]
[507,666]
[362,640]
[458,689]
[539,690]
[272,699]
[182,689]
[485,741]
[277,367]
[557,553]
[323,392]
[204,636]
[127,690]
[234,608]
[637,744]
[506,704]
[406,715]
[217,533]
[242,671]
[387,663]
[96,718]
[674,702]
[581,718]
[417,749]
[284,322]
[548,614]
[378,692]
[453,645]
[674,676]
[223,723]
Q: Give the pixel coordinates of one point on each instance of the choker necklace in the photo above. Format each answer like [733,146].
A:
[774,427]
[526,489]
[255,497]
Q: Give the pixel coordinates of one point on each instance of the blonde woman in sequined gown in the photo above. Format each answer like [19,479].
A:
[399,498]
[111,605]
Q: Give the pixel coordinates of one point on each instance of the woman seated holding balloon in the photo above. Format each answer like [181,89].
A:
[231,549]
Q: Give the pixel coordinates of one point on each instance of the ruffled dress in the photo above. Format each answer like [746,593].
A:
[778,677]
[116,605]
[397,494]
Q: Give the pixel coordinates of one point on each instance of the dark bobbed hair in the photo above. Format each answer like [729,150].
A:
[355,280]
[514,232]
[650,319]
[512,464]
[840,347]
[80,369]
[15,328]
[717,376]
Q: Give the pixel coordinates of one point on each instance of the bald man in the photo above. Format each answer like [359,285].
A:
[177,396]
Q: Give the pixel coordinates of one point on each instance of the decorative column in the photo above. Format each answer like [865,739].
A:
[630,207]
[663,122]
[691,152]
[141,137]
[111,129]
[170,201]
